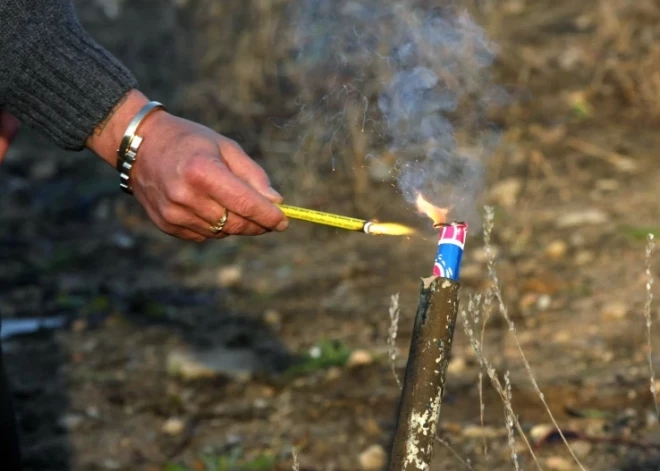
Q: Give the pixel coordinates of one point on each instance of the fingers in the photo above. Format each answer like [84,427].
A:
[211,212]
[8,129]
[247,169]
[178,221]
[229,191]
[184,208]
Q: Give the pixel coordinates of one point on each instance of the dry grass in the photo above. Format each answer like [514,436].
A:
[650,249]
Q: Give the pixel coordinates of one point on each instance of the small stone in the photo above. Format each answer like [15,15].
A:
[78,326]
[111,464]
[230,276]
[556,249]
[372,428]
[615,310]
[563,336]
[608,184]
[527,301]
[93,412]
[476,431]
[584,258]
[273,318]
[506,192]
[359,358]
[571,57]
[333,374]
[557,463]
[373,458]
[457,365]
[184,365]
[237,363]
[173,426]
[543,302]
[582,218]
[71,421]
[540,431]
[514,7]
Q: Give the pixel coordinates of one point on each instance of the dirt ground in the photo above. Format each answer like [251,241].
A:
[235,352]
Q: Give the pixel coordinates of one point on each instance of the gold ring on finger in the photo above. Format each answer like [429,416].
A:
[218,226]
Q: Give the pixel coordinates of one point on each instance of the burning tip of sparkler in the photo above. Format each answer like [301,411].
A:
[387,228]
[437,214]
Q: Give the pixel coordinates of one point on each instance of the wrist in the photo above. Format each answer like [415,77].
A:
[107,136]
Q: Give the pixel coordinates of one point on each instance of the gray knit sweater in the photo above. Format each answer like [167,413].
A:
[53,76]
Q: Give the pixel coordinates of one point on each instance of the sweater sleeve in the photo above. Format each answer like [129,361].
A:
[53,76]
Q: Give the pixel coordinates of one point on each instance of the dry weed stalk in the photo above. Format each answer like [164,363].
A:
[650,248]
[464,461]
[474,305]
[488,227]
[395,310]
[508,420]
[296,463]
[486,308]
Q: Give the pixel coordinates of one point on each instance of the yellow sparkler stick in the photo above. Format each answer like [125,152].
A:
[319,217]
[344,222]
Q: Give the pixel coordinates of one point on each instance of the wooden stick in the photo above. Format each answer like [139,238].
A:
[424,384]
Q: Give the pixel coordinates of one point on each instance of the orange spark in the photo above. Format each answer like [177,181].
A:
[436,214]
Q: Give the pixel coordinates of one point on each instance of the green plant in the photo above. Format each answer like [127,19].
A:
[325,354]
[231,461]
[638,233]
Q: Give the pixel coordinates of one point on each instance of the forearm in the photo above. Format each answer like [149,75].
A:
[53,76]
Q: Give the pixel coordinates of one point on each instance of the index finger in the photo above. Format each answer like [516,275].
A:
[238,197]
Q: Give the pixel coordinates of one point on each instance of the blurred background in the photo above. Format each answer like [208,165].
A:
[224,356]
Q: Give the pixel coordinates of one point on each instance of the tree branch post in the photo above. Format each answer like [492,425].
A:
[424,383]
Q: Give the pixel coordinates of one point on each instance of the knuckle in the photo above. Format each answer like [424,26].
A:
[172,215]
[168,229]
[179,194]
[193,170]
[245,204]
[237,226]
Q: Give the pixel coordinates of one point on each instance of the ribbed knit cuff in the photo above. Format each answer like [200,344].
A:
[63,84]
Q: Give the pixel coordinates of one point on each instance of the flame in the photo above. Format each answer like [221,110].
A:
[389,228]
[438,215]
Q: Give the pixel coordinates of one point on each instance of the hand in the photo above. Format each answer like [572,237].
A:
[8,129]
[187,175]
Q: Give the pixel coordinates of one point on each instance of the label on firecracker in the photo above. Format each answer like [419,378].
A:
[450,251]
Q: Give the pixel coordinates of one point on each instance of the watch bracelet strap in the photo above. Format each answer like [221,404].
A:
[130,144]
[132,128]
[127,166]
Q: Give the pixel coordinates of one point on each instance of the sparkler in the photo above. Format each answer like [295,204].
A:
[430,348]
[344,222]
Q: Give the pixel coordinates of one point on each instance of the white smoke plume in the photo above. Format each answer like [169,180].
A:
[417,78]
